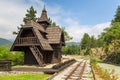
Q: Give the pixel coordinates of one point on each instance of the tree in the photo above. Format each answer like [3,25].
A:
[71,50]
[114,47]
[111,33]
[52,23]
[85,41]
[99,42]
[67,36]
[88,51]
[93,42]
[117,16]
[114,52]
[16,32]
[30,15]
[111,39]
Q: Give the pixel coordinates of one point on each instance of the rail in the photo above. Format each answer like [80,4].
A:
[74,70]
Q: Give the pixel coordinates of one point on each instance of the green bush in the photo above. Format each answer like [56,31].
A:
[88,51]
[16,57]
[71,50]
[95,60]
[4,53]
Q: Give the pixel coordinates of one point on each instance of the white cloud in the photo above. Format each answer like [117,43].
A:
[11,16]
[77,31]
[12,13]
[97,29]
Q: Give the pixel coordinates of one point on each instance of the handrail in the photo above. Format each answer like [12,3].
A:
[27,40]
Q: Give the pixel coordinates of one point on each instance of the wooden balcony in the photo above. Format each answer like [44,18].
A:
[26,41]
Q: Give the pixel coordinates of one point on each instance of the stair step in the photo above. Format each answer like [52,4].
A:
[37,54]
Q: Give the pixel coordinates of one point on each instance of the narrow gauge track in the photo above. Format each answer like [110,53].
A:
[78,71]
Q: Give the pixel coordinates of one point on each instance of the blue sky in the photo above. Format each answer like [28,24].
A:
[77,16]
[88,12]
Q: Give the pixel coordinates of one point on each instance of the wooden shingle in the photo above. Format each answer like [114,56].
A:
[54,35]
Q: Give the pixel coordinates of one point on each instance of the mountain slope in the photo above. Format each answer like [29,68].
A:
[5,42]
[72,43]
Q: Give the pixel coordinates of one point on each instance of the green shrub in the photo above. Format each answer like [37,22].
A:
[16,57]
[105,74]
[88,51]
[95,60]
[4,53]
[71,50]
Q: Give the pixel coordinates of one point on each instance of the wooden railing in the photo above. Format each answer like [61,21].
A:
[26,40]
[5,65]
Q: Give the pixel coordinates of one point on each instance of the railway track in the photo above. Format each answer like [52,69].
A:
[78,71]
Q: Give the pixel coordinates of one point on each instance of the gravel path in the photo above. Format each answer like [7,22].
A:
[8,73]
[111,67]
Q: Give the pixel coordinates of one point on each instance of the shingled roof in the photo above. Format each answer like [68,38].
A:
[37,28]
[54,35]
[33,24]
[43,17]
[45,36]
[43,41]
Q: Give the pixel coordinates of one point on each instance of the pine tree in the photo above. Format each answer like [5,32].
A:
[85,41]
[67,36]
[111,39]
[92,42]
[30,15]
[112,32]
[99,42]
[52,23]
[117,16]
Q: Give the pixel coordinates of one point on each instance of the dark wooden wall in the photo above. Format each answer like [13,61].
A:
[29,58]
[27,33]
[47,57]
[56,53]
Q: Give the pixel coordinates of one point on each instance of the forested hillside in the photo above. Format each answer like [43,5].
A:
[111,39]
[5,42]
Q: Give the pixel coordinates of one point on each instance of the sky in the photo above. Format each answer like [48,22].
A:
[77,16]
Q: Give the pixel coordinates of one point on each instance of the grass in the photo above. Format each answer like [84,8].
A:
[25,77]
[111,67]
[105,74]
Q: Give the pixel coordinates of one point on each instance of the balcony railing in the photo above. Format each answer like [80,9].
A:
[26,41]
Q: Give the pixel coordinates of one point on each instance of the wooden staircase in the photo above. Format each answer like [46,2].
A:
[37,54]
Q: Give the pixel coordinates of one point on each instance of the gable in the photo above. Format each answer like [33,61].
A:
[34,24]
[12,48]
[43,41]
[25,34]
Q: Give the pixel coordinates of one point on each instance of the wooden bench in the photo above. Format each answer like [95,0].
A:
[5,65]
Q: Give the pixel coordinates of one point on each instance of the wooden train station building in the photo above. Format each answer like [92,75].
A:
[40,42]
